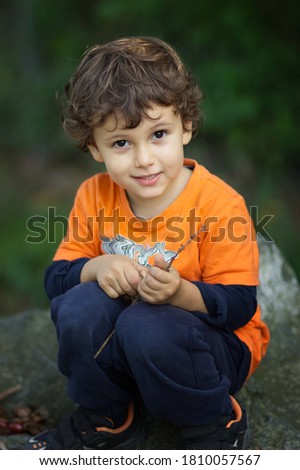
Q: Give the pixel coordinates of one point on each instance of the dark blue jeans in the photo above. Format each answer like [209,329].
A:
[183,369]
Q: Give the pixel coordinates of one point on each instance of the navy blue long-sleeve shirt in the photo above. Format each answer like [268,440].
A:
[229,306]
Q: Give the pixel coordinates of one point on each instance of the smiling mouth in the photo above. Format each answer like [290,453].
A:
[147,177]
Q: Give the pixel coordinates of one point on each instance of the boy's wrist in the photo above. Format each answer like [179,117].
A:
[188,297]
[89,272]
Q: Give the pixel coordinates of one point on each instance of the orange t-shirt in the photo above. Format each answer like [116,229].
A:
[224,251]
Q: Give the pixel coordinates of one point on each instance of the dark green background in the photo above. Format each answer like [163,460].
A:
[245,55]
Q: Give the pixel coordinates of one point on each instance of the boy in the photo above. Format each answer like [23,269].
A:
[154,286]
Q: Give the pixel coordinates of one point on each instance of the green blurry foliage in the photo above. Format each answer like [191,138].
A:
[245,55]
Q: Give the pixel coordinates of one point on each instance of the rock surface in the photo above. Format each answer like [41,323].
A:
[271,396]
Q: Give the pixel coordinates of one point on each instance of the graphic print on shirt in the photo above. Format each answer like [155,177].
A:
[120,245]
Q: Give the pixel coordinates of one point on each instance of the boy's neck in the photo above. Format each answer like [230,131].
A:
[149,208]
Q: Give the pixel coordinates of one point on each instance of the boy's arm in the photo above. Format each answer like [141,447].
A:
[224,306]
[230,306]
[163,284]
[61,275]
[116,275]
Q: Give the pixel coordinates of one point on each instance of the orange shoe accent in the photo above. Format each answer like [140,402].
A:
[124,426]
[237,411]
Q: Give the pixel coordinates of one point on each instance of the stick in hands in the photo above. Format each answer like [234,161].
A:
[161,282]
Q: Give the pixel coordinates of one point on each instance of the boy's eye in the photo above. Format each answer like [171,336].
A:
[159,134]
[120,143]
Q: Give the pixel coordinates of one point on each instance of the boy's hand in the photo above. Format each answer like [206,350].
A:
[158,286]
[116,274]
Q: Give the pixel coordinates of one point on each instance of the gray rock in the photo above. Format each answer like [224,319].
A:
[271,396]
[28,351]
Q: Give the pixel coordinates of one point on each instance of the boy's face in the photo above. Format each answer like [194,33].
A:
[146,161]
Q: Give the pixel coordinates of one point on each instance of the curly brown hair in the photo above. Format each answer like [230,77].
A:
[127,76]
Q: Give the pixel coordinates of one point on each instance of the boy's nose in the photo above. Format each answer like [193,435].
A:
[143,157]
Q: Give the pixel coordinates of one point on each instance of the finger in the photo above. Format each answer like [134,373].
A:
[110,291]
[151,296]
[160,262]
[114,286]
[159,284]
[142,270]
[122,286]
[158,274]
[133,277]
[151,286]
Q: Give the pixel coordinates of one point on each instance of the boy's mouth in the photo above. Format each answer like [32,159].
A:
[148,180]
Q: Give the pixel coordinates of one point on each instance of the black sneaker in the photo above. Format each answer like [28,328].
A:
[230,432]
[85,429]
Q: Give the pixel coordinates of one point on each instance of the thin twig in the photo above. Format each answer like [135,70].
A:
[104,343]
[182,247]
[10,391]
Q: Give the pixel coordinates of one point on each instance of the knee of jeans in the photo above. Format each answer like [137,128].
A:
[144,332]
[79,305]
[72,296]
[132,327]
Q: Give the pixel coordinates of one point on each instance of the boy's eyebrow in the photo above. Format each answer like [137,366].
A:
[161,124]
[122,134]
[115,137]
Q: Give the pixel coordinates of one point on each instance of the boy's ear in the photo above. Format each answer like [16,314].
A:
[95,153]
[187,133]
